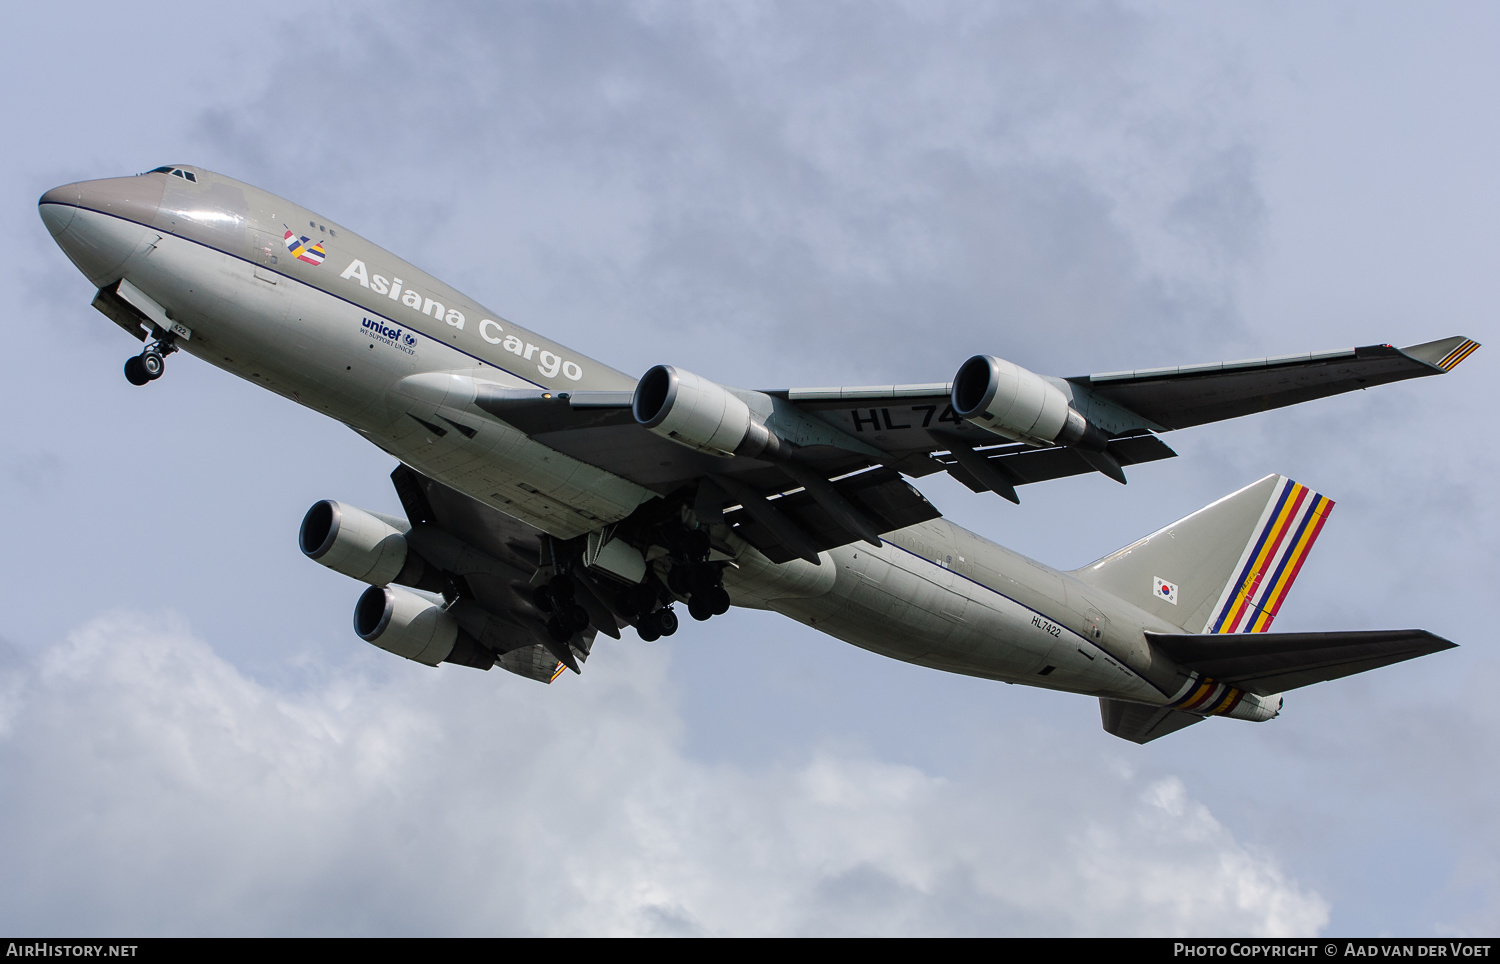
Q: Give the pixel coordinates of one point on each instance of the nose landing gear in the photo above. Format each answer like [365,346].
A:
[149,365]
[145,367]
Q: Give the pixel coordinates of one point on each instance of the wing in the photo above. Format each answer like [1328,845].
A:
[853,445]
[1170,398]
[486,562]
[836,491]
[916,424]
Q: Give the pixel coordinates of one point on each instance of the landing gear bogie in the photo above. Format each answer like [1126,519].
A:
[653,626]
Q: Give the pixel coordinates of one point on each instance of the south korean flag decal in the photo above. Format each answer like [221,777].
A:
[1166,591]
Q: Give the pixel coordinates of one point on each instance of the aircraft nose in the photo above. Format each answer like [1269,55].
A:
[57,207]
[98,224]
[135,199]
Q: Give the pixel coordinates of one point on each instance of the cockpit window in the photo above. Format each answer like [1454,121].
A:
[176,171]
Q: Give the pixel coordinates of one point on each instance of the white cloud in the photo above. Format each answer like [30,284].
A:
[151,787]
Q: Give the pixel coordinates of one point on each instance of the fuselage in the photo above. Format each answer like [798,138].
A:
[289,300]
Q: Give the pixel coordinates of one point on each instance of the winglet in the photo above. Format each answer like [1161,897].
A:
[1445,353]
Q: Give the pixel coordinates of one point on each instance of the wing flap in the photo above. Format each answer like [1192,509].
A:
[882,495]
[1023,464]
[1269,663]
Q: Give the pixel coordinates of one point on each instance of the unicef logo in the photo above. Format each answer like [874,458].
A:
[411,339]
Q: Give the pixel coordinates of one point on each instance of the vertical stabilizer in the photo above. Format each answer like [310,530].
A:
[1227,567]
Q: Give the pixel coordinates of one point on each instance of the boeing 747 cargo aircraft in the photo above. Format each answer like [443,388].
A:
[548,497]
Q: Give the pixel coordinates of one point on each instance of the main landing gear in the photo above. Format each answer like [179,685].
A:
[640,605]
[570,601]
[691,576]
[566,618]
[149,365]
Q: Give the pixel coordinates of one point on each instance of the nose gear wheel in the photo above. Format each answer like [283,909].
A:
[150,364]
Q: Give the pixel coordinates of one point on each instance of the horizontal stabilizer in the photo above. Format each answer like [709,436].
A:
[1267,663]
[1140,723]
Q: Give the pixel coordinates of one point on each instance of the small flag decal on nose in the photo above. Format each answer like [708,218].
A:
[1164,590]
[303,249]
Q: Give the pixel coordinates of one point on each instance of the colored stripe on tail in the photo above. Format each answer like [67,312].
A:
[1291,523]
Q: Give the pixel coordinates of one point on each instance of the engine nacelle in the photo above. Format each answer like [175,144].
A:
[1002,397]
[700,414]
[357,543]
[404,623]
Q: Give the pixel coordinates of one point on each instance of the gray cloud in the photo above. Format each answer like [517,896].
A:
[823,188]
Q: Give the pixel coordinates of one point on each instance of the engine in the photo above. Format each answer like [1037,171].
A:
[700,414]
[404,623]
[362,545]
[1002,397]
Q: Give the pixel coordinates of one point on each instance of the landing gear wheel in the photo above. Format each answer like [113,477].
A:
[645,598]
[135,374]
[699,608]
[647,630]
[152,364]
[562,588]
[703,578]
[718,599]
[695,544]
[666,621]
